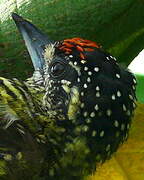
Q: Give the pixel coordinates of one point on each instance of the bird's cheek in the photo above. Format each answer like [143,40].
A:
[74,103]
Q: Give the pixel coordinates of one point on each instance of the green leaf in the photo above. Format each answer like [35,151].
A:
[140,87]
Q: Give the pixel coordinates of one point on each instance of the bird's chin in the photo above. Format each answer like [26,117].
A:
[62,105]
[58,104]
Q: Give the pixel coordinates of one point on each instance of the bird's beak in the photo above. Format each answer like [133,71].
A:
[34,39]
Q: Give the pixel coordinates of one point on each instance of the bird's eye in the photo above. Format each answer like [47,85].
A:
[57,69]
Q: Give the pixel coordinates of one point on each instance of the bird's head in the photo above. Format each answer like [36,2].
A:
[69,72]
[84,87]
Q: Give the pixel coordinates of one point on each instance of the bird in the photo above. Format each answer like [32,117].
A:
[71,115]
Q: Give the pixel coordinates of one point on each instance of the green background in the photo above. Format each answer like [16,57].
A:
[118,25]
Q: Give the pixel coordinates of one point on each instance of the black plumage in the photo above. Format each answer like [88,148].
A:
[81,103]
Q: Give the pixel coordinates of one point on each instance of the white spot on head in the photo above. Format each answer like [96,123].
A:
[101,133]
[92,114]
[96,69]
[113,97]
[109,112]
[89,73]
[94,133]
[134,105]
[97,88]
[118,93]
[85,68]
[85,85]
[88,79]
[78,79]
[118,75]
[83,61]
[97,94]
[128,113]
[96,107]
[82,93]
[75,63]
[124,107]
[130,96]
[82,105]
[71,56]
[108,147]
[134,80]
[85,114]
[133,87]
[75,67]
[116,124]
